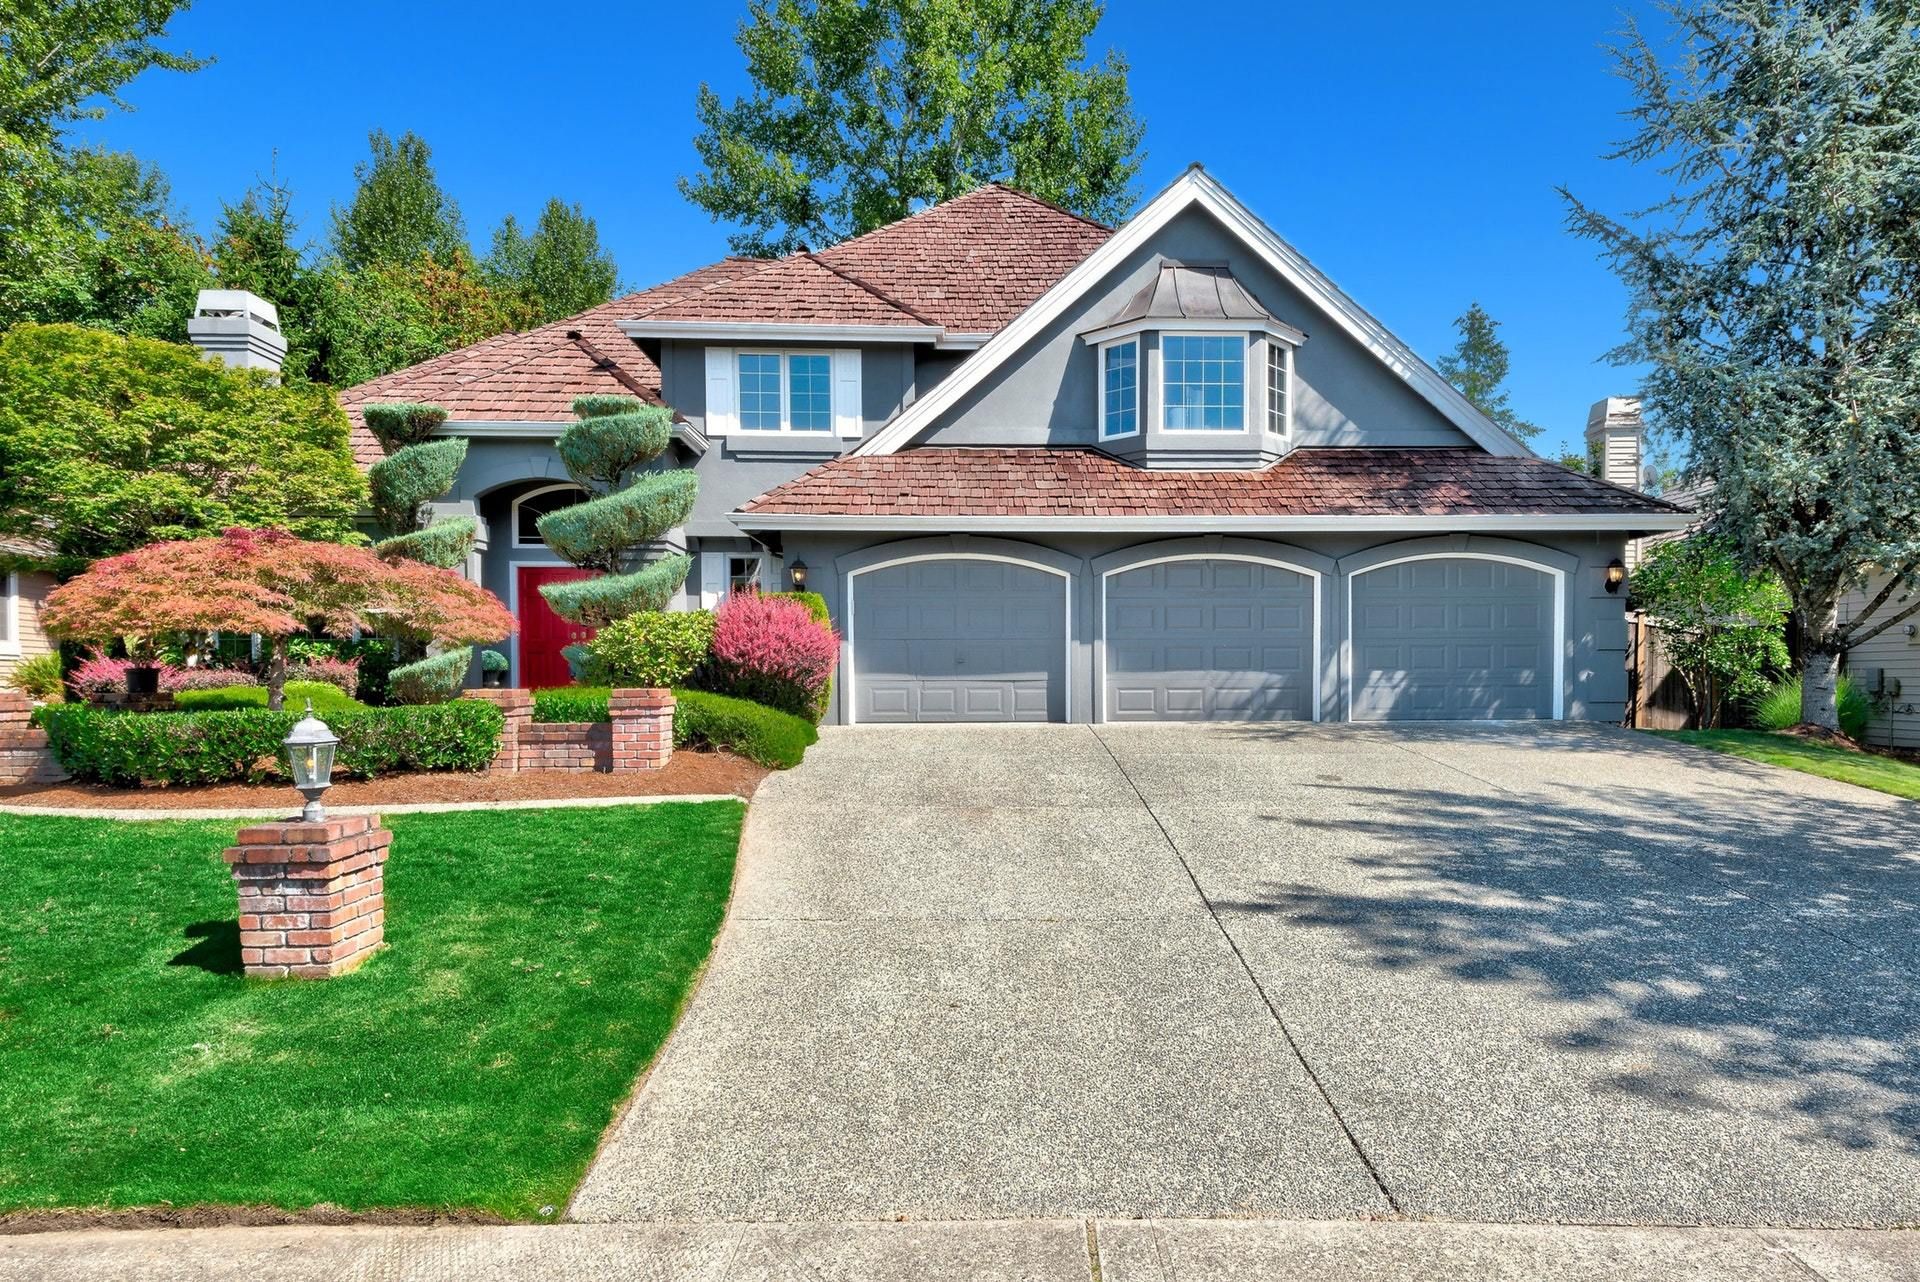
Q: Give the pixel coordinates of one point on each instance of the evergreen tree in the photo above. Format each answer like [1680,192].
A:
[559,270]
[862,112]
[1478,366]
[398,213]
[1776,294]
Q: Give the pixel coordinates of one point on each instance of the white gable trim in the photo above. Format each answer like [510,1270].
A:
[1197,187]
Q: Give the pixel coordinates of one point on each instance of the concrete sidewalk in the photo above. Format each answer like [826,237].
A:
[1027,1250]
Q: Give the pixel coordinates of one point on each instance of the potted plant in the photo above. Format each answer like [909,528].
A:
[493,669]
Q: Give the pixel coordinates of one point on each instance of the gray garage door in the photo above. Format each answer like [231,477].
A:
[1452,640]
[1213,640]
[959,640]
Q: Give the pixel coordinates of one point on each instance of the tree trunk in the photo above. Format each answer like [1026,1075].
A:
[276,673]
[1820,665]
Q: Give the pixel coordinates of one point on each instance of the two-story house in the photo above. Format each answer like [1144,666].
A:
[1042,469]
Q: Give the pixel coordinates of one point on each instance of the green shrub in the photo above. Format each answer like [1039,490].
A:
[596,533]
[571,703]
[652,648]
[39,678]
[766,735]
[400,425]
[597,602]
[327,699]
[373,654]
[815,603]
[401,482]
[606,446]
[493,661]
[434,679]
[444,543]
[128,748]
[1779,708]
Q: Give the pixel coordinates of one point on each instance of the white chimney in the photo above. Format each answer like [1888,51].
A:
[239,328]
[1614,440]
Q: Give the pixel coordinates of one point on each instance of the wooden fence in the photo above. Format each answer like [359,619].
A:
[1656,695]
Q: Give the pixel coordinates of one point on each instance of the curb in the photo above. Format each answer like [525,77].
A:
[136,813]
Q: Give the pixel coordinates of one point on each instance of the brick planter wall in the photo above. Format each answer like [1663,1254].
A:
[24,756]
[312,895]
[567,745]
[642,728]
[517,707]
[637,736]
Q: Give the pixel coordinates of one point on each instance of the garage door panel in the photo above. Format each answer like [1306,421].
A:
[1208,639]
[958,640]
[1452,638]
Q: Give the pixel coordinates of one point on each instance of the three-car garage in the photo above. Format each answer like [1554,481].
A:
[1206,635]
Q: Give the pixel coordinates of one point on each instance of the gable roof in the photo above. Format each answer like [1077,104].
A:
[1197,188]
[1059,487]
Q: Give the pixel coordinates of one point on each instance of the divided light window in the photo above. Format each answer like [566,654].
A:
[528,510]
[1120,390]
[1279,359]
[786,391]
[1203,382]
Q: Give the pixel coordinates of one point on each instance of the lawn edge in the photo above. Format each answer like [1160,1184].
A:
[1667,737]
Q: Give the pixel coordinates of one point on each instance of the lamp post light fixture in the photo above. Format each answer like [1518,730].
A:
[799,572]
[1616,574]
[310,746]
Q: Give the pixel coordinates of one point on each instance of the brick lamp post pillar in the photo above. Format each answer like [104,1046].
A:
[312,895]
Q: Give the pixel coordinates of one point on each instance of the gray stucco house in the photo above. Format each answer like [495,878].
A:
[1043,469]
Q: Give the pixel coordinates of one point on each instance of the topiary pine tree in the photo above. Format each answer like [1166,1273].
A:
[416,469]
[605,452]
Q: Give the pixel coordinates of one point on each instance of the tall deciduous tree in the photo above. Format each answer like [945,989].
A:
[1478,366]
[1721,626]
[558,270]
[1776,293]
[398,213]
[861,112]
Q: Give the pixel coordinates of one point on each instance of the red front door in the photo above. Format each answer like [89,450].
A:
[543,634]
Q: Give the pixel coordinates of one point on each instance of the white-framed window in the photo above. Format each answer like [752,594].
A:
[1279,388]
[1203,382]
[743,574]
[1120,389]
[785,391]
[10,614]
[531,506]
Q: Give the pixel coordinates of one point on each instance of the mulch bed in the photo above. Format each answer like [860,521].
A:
[687,774]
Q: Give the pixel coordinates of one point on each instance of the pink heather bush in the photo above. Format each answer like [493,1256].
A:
[344,674]
[772,652]
[98,675]
[178,679]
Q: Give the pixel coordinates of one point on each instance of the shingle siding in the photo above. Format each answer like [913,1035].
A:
[1891,658]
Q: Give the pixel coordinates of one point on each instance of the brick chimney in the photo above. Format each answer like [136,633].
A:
[239,328]
[1615,440]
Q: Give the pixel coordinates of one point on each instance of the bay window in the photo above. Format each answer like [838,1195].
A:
[1120,389]
[1203,382]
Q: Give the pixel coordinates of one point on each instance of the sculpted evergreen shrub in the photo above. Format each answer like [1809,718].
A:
[400,425]
[596,534]
[401,482]
[615,436]
[595,603]
[654,648]
[444,544]
[434,679]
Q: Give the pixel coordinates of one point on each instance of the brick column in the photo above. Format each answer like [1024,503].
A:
[517,707]
[642,728]
[312,895]
[24,755]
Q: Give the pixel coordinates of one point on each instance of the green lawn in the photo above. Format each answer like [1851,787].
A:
[1884,774]
[326,699]
[536,960]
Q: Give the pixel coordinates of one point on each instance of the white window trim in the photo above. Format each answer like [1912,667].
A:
[1139,388]
[1285,350]
[1246,387]
[786,428]
[10,645]
[514,514]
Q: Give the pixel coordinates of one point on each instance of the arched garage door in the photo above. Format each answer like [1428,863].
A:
[958,639]
[1452,639]
[1209,639]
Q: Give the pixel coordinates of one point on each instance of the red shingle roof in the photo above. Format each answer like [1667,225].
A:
[970,264]
[1044,481]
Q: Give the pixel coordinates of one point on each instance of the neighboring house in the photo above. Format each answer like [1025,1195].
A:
[22,590]
[1044,470]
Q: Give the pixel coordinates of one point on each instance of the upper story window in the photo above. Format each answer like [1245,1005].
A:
[1203,382]
[1279,388]
[1120,389]
[786,391]
[530,507]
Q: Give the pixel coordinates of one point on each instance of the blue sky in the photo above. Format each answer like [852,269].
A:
[1411,150]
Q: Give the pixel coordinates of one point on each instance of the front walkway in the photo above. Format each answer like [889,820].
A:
[1480,974]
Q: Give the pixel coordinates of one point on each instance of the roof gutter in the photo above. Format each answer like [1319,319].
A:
[1574,523]
[764,331]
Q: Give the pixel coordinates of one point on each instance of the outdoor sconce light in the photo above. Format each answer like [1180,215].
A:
[310,748]
[1616,574]
[799,572]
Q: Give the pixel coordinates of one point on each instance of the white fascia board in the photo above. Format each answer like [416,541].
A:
[1167,325]
[1607,522]
[749,332]
[961,342]
[547,430]
[1197,187]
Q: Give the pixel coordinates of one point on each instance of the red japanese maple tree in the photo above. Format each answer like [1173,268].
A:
[270,583]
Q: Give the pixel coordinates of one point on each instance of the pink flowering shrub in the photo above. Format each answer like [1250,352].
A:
[205,678]
[771,651]
[343,674]
[98,675]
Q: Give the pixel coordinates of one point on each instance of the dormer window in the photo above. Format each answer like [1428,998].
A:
[1120,389]
[1203,382]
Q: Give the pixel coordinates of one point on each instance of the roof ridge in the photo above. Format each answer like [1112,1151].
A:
[1044,203]
[613,367]
[765,264]
[875,290]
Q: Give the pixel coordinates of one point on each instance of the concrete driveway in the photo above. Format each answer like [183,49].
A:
[1492,974]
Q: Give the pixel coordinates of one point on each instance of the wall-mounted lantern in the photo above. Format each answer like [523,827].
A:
[799,572]
[1616,574]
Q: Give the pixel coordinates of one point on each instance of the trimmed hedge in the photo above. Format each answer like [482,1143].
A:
[815,603]
[652,648]
[397,426]
[434,679]
[766,735]
[327,699]
[129,748]
[595,603]
[569,704]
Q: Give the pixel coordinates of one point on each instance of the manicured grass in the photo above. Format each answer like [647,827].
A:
[536,961]
[325,698]
[1883,774]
